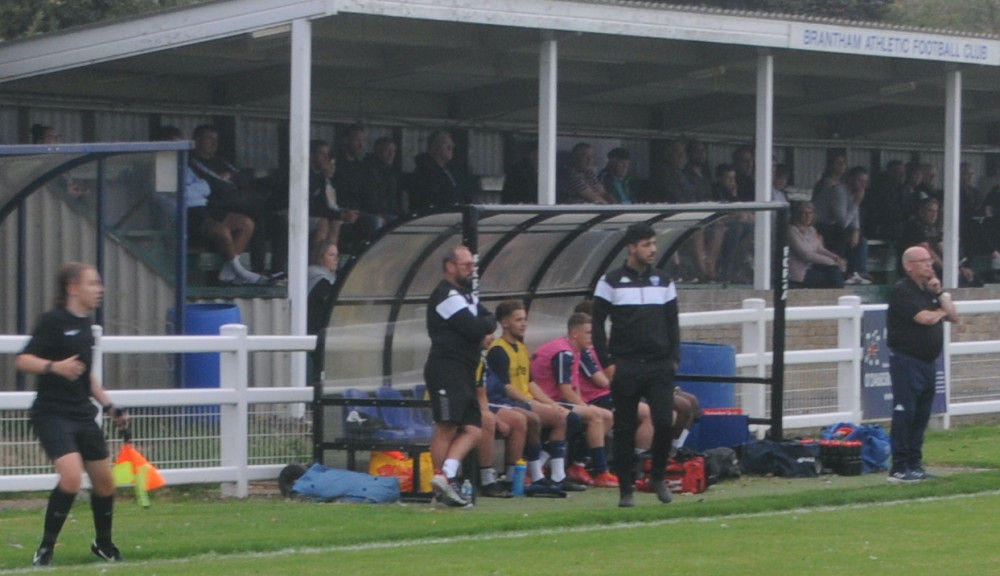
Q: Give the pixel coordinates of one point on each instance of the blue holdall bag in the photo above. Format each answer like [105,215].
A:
[875,446]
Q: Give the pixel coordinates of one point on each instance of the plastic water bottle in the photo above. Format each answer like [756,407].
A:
[467,490]
[517,483]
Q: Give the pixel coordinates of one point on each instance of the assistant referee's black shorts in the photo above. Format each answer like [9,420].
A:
[61,435]
[452,387]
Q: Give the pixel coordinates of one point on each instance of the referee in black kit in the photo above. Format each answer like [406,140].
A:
[60,352]
[645,349]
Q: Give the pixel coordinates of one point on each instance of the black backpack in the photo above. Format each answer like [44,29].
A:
[721,464]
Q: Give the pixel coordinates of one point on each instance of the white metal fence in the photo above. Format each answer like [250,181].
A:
[256,430]
[192,435]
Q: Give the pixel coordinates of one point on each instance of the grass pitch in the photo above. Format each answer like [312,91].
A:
[757,525]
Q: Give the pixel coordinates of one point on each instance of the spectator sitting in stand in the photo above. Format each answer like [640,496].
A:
[232,191]
[925,231]
[324,212]
[779,182]
[736,246]
[350,171]
[706,243]
[615,178]
[669,183]
[884,211]
[743,162]
[910,196]
[555,368]
[380,185]
[520,186]
[837,199]
[358,222]
[41,134]
[579,184]
[809,263]
[228,232]
[976,224]
[432,184]
[928,183]
[697,172]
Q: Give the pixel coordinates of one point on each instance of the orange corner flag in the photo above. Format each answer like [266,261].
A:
[131,465]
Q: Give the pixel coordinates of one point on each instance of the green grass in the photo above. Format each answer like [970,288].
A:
[761,525]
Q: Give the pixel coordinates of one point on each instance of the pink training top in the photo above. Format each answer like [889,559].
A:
[553,364]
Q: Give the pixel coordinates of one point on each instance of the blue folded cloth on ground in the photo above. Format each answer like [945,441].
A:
[326,484]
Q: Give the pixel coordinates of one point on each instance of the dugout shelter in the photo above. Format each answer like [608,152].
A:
[549,256]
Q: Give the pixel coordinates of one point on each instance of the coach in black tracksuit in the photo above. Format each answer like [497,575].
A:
[459,328]
[645,350]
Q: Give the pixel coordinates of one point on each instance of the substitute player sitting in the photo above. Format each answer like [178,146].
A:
[510,383]
[555,367]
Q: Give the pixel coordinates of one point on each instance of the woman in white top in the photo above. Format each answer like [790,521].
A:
[809,263]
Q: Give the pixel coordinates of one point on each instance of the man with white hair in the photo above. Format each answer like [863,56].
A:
[918,307]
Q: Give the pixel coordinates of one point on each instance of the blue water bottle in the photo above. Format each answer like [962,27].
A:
[517,483]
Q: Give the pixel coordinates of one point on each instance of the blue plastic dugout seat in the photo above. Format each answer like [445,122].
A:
[362,422]
[402,417]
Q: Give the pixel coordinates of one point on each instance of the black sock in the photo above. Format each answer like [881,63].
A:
[102,506]
[56,513]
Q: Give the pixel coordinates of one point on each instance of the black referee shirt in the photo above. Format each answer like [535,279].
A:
[61,334]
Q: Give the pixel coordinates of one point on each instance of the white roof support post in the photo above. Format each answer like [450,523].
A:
[952,161]
[762,169]
[548,55]
[298,191]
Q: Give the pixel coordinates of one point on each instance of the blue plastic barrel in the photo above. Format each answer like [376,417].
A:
[202,370]
[699,359]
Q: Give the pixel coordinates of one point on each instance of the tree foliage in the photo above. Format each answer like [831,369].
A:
[982,16]
[20,18]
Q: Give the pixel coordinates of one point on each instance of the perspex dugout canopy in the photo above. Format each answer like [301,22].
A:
[549,256]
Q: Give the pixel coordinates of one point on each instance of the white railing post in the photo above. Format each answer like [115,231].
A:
[754,397]
[97,362]
[849,372]
[946,417]
[233,430]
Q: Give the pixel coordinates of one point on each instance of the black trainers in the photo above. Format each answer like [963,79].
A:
[43,556]
[568,485]
[494,490]
[109,552]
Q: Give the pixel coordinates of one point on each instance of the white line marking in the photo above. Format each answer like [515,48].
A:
[127,565]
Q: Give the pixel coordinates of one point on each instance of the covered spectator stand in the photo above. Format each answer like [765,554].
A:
[549,256]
